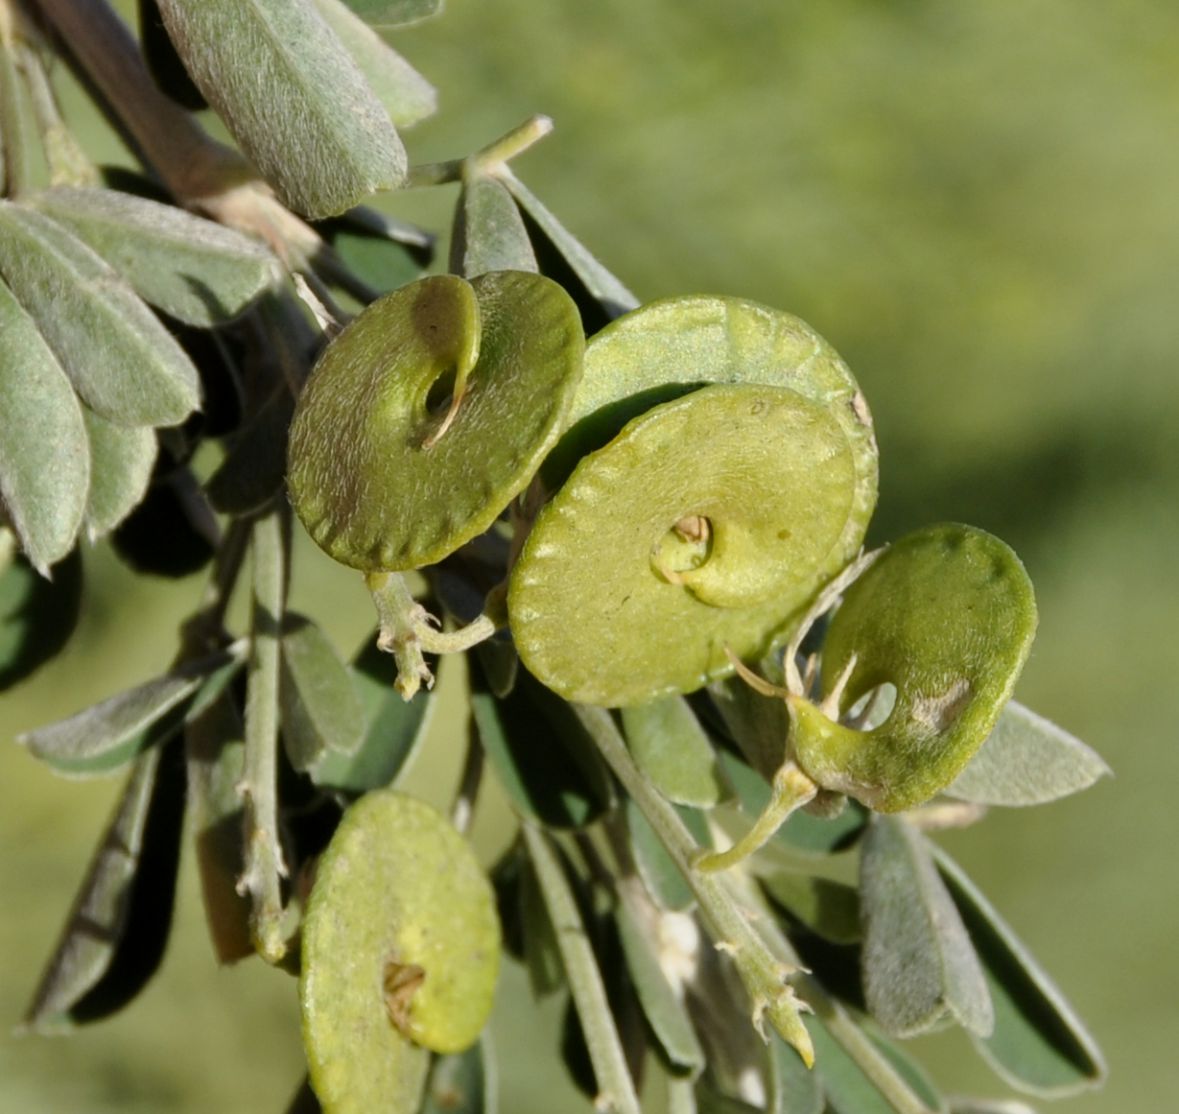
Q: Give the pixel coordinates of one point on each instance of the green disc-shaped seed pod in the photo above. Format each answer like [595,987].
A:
[707,523]
[429,412]
[664,349]
[401,947]
[947,616]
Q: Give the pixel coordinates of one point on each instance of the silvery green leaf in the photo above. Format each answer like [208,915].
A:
[918,961]
[543,756]
[393,733]
[672,749]
[116,933]
[37,616]
[44,455]
[663,1007]
[828,908]
[1038,1043]
[122,362]
[321,709]
[794,1089]
[215,756]
[292,97]
[664,880]
[121,463]
[196,270]
[488,232]
[407,96]
[1027,760]
[108,735]
[394,13]
[599,282]
[849,1090]
[462,1083]
[253,468]
[542,956]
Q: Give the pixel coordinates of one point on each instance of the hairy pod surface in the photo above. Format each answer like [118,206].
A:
[947,616]
[429,412]
[401,946]
[708,522]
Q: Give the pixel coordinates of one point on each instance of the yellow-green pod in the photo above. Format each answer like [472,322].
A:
[669,347]
[429,413]
[708,523]
[401,946]
[947,616]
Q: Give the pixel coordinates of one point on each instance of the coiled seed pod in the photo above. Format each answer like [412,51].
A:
[429,413]
[946,615]
[707,523]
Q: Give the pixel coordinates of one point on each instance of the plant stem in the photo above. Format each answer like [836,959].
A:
[406,629]
[791,790]
[190,163]
[68,163]
[489,159]
[617,1091]
[762,973]
[856,1043]
[264,864]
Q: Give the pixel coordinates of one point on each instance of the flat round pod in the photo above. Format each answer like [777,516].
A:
[708,522]
[666,348]
[429,413]
[401,946]
[947,616]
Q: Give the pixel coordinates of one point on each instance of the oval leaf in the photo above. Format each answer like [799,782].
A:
[292,97]
[121,463]
[918,961]
[828,908]
[122,915]
[385,479]
[545,760]
[663,1007]
[664,880]
[123,363]
[614,602]
[109,735]
[44,453]
[252,471]
[1027,760]
[849,1090]
[600,284]
[400,953]
[673,750]
[196,270]
[794,1088]
[463,1083]
[406,96]
[488,232]
[321,710]
[37,616]
[394,13]
[393,728]
[1038,1044]
[947,616]
[215,757]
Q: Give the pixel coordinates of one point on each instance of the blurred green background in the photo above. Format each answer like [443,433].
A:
[978,204]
